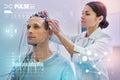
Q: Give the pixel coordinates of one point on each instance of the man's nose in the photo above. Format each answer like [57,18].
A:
[30,30]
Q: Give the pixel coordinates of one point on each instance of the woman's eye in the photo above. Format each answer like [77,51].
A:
[87,14]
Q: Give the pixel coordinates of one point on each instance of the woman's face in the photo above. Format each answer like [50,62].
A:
[89,18]
[36,32]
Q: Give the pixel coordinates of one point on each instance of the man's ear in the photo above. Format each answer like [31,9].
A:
[50,32]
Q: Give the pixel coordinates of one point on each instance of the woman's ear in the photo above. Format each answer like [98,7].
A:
[100,18]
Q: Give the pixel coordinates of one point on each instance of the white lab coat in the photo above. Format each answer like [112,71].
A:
[90,60]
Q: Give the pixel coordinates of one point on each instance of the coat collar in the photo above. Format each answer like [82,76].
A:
[93,35]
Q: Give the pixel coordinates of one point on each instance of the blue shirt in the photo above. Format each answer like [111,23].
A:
[54,68]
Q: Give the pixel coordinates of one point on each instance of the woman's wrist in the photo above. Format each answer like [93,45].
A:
[59,33]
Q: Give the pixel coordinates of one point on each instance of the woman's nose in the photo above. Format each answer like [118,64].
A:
[82,17]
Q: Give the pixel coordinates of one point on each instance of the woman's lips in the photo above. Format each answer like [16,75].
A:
[82,21]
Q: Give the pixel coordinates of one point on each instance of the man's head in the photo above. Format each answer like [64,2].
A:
[38,31]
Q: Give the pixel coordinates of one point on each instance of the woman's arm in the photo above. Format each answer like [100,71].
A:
[95,51]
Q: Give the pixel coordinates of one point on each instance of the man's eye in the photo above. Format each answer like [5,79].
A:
[36,26]
[28,27]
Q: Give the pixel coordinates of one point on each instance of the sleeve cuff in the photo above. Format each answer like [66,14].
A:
[78,49]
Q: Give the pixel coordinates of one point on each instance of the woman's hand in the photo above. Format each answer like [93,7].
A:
[54,24]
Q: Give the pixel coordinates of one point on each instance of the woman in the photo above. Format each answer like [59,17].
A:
[89,48]
[41,63]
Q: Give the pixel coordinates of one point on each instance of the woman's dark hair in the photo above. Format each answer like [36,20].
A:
[100,9]
[43,17]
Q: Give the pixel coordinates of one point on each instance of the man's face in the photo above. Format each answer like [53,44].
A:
[36,32]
